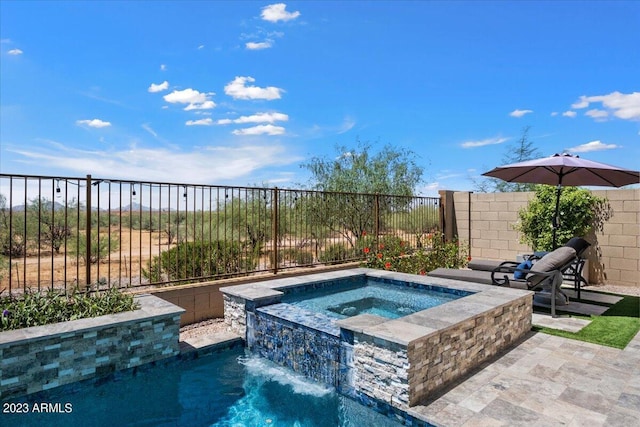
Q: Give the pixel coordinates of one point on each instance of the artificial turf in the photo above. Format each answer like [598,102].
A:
[616,327]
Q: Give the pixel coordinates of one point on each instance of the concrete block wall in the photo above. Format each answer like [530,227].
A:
[486,220]
[619,243]
[200,301]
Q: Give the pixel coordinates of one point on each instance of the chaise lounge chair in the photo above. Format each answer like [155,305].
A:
[545,275]
[507,272]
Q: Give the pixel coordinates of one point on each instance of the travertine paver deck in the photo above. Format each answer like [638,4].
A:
[545,381]
[568,324]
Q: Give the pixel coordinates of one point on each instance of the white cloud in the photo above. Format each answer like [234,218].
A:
[200,122]
[94,123]
[519,113]
[483,142]
[195,100]
[15,52]
[257,118]
[277,12]
[260,130]
[581,103]
[597,114]
[593,146]
[206,105]
[158,87]
[238,90]
[258,46]
[148,128]
[186,96]
[207,165]
[347,125]
[621,105]
[201,47]
[163,67]
[569,113]
[553,114]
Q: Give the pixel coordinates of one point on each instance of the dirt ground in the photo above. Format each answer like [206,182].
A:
[123,266]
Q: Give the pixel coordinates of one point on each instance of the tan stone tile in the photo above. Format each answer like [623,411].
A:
[479,400]
[588,400]
[480,420]
[453,416]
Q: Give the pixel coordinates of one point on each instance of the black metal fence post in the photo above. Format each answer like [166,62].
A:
[274,225]
[88,232]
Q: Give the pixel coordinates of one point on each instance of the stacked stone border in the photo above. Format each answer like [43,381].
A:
[43,357]
[399,362]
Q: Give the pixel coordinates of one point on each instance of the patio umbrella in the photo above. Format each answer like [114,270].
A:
[564,169]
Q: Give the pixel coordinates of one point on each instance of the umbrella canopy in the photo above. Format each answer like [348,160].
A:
[564,169]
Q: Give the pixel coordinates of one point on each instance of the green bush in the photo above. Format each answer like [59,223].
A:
[334,254]
[580,212]
[299,256]
[304,257]
[43,308]
[199,259]
[394,255]
[101,246]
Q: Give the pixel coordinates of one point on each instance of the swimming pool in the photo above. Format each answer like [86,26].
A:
[369,296]
[228,388]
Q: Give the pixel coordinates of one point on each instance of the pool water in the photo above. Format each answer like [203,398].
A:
[371,297]
[229,388]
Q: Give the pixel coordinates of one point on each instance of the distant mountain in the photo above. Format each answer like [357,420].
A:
[46,206]
[137,207]
[133,207]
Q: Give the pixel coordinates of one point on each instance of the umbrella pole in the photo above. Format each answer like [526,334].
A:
[556,216]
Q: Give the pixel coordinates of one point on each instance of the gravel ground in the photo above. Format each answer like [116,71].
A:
[615,289]
[207,327]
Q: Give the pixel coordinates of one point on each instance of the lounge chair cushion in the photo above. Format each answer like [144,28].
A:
[578,243]
[554,260]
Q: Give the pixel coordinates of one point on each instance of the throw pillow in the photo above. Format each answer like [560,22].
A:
[519,274]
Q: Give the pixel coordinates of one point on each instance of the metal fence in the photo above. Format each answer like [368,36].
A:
[88,233]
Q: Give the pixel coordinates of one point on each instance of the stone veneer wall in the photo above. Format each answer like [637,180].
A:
[403,376]
[381,372]
[439,359]
[43,357]
[314,353]
[235,316]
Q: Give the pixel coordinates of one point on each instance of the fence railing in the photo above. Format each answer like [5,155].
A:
[68,233]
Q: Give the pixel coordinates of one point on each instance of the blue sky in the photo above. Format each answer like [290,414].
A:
[242,93]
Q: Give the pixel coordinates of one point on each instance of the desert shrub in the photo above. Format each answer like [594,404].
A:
[299,256]
[43,308]
[303,257]
[199,259]
[335,254]
[101,246]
